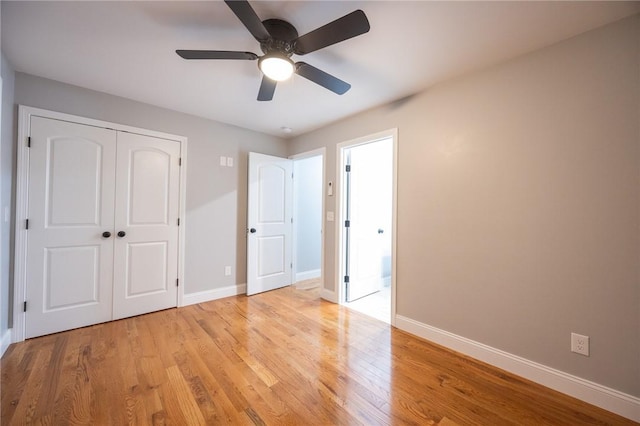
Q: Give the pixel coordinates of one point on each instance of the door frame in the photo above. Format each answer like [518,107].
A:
[22,185]
[301,156]
[339,244]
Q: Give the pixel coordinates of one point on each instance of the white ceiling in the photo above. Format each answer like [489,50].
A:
[127,49]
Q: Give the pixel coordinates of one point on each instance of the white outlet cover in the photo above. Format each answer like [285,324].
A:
[330,217]
[227,271]
[580,344]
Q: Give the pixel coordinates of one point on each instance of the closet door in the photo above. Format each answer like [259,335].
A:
[146,225]
[69,260]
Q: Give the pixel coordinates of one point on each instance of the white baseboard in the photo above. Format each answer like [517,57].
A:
[5,342]
[308,275]
[329,295]
[213,294]
[585,390]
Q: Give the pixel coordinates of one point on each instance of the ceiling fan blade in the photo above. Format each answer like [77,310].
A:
[267,88]
[341,29]
[249,19]
[322,78]
[216,54]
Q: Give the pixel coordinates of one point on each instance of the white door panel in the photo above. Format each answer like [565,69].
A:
[57,275]
[147,208]
[71,194]
[369,199]
[269,220]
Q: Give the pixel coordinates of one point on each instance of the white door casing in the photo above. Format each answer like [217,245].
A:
[71,195]
[269,219]
[339,295]
[81,156]
[146,211]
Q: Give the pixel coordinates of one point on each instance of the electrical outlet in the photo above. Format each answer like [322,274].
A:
[580,344]
[227,271]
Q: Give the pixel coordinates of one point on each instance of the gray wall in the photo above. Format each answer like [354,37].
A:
[519,204]
[216,196]
[307,213]
[6,190]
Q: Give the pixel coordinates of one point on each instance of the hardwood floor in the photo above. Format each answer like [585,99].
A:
[283,357]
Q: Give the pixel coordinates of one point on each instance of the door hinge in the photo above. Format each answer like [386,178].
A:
[26,224]
[291,265]
[177,282]
[178,221]
[348,168]
[346,278]
[291,220]
[24,306]
[29,142]
[347,223]
[180,161]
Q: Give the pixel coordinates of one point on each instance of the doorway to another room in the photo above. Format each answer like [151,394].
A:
[308,172]
[367,232]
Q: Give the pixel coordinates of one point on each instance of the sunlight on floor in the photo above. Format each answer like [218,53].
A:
[376,305]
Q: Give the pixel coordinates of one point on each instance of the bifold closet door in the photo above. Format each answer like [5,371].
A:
[146,225]
[69,255]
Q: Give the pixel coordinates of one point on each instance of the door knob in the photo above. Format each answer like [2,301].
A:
[380,231]
[252,230]
[106,234]
[121,234]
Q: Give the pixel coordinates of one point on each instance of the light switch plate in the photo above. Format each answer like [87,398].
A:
[330,217]
[230,161]
[223,161]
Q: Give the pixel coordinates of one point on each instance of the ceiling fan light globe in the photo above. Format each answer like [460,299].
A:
[276,67]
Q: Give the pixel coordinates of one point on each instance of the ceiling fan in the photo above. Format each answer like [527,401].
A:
[279,41]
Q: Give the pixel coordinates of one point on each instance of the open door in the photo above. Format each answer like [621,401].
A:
[269,220]
[368,203]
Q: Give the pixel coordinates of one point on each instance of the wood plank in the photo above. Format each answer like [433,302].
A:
[285,357]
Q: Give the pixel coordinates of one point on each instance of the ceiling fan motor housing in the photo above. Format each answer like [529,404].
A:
[283,37]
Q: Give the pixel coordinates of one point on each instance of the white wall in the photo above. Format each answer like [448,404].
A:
[519,204]
[307,215]
[216,196]
[6,191]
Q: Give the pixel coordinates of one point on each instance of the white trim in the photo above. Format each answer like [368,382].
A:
[329,295]
[182,229]
[308,275]
[22,184]
[585,390]
[340,163]
[5,342]
[213,294]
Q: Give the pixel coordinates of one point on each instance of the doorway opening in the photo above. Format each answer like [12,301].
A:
[308,208]
[366,243]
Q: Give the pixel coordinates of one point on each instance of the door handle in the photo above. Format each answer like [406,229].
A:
[106,234]
[380,231]
[121,234]
[252,230]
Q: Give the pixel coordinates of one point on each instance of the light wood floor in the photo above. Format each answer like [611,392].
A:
[283,357]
